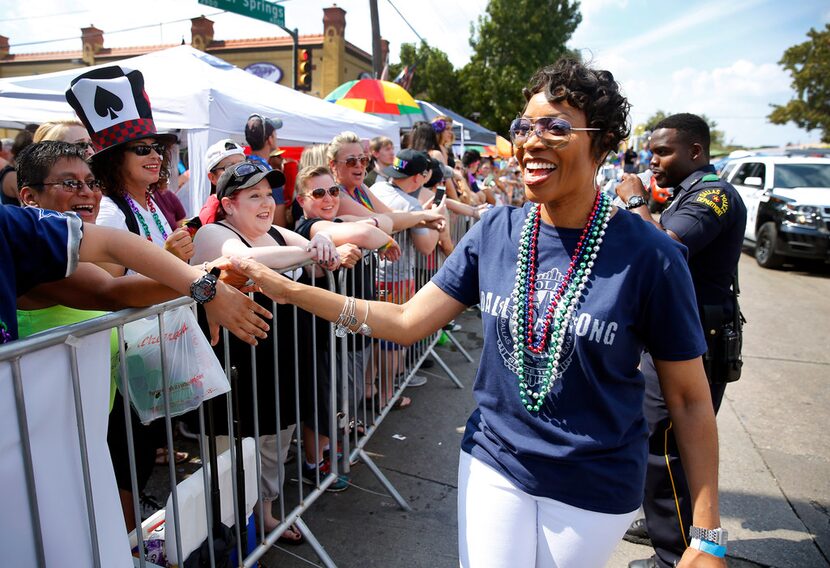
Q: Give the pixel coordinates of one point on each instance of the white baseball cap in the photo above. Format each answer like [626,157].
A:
[221,150]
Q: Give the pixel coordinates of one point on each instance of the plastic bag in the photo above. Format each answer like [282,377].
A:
[193,372]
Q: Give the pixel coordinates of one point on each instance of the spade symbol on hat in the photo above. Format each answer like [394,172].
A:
[107,103]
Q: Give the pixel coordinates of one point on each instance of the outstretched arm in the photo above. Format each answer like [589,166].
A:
[91,287]
[422,315]
[230,308]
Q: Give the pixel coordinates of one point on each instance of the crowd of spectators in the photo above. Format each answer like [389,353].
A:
[340,199]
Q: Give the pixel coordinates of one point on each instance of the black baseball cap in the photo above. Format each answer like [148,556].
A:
[244,175]
[407,164]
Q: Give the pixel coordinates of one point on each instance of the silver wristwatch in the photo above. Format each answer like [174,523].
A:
[718,535]
[635,201]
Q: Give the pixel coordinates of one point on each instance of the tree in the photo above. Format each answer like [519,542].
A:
[716,137]
[654,119]
[510,42]
[809,66]
[435,79]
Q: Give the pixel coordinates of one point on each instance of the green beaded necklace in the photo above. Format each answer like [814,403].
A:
[564,301]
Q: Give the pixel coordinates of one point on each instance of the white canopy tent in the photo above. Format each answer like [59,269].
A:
[202,95]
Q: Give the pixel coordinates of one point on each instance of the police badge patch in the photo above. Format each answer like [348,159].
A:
[715,199]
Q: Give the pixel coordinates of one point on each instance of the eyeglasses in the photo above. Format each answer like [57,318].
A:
[144,149]
[352,161]
[320,192]
[73,185]
[549,129]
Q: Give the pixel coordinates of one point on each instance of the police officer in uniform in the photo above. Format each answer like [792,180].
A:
[707,215]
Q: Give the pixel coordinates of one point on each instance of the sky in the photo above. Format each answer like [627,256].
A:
[711,57]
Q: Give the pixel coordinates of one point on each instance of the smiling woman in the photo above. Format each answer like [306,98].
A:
[553,458]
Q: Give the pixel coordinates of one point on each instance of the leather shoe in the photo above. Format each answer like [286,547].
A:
[637,533]
[644,563]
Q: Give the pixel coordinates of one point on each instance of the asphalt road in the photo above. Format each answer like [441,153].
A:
[775,455]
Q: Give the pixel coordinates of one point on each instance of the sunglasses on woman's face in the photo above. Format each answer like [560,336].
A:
[549,129]
[320,192]
[352,161]
[144,149]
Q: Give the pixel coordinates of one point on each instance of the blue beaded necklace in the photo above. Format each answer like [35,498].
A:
[559,312]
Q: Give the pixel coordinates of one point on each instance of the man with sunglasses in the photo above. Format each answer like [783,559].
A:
[261,136]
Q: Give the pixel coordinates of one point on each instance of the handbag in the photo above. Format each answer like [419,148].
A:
[193,372]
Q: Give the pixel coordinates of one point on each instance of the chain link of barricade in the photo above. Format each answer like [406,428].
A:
[326,414]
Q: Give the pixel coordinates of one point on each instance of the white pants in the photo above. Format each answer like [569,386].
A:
[501,526]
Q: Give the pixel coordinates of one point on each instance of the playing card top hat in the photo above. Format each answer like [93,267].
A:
[112,104]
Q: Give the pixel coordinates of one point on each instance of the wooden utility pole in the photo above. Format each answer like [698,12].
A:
[377,61]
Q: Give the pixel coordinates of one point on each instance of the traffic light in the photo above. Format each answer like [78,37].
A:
[304,70]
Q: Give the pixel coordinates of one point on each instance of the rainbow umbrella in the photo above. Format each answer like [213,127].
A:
[375,97]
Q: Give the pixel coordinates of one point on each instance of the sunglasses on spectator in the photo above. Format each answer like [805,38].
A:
[352,161]
[144,149]
[549,129]
[245,169]
[85,145]
[72,185]
[320,192]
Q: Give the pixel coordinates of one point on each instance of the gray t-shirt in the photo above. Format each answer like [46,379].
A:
[398,200]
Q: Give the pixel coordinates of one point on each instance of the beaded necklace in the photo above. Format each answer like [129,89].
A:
[563,303]
[140,217]
[5,335]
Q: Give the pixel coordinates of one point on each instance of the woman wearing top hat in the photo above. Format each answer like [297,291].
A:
[130,159]
[131,156]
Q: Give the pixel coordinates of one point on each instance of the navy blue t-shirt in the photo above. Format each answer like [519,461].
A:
[36,246]
[587,445]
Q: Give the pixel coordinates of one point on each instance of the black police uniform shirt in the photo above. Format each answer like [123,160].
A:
[709,217]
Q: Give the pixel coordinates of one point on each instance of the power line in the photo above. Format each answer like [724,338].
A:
[407,22]
[115,31]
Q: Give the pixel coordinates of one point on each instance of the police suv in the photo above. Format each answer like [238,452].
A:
[787,206]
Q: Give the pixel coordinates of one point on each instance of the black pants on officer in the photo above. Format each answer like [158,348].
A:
[667,504]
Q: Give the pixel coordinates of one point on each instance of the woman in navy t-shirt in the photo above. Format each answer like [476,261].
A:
[571,290]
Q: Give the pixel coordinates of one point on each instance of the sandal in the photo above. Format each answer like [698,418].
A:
[292,536]
[163,456]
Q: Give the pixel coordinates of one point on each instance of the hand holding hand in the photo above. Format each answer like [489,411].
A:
[270,283]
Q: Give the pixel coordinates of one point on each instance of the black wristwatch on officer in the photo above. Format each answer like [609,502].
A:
[635,201]
[203,289]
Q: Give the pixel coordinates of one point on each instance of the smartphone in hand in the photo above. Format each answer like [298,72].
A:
[440,190]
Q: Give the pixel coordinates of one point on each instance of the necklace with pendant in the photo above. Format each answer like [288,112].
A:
[564,301]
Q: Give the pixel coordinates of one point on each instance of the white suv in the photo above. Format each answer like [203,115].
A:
[787,206]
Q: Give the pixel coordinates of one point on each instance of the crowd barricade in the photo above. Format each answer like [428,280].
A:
[55,388]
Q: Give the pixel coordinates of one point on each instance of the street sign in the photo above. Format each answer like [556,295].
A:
[259,9]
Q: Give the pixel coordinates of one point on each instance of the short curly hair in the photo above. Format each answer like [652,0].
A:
[594,92]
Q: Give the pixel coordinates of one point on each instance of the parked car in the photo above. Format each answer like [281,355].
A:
[788,206]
